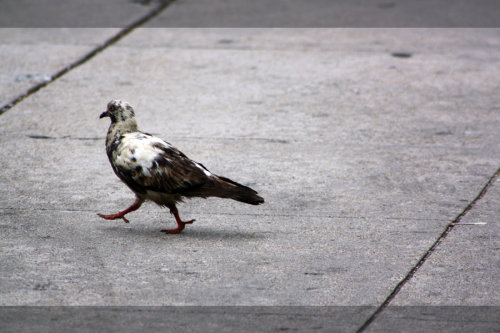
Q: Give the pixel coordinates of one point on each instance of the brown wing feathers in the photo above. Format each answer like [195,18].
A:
[198,181]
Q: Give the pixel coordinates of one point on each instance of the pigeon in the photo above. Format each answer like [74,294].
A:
[157,171]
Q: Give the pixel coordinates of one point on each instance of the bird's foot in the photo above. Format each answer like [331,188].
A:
[180,227]
[114,217]
[121,215]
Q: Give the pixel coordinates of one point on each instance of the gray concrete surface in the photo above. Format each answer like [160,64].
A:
[469,278]
[363,159]
[33,56]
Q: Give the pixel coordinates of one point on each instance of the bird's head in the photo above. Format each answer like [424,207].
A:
[118,111]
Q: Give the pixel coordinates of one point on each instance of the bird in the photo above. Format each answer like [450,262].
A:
[157,171]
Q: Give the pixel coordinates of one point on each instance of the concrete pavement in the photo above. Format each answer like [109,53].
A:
[364,159]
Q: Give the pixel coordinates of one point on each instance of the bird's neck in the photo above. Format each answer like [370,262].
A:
[116,130]
[124,127]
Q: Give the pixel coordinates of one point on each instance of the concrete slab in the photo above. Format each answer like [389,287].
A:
[465,267]
[33,56]
[363,158]
[305,99]
[225,260]
[461,272]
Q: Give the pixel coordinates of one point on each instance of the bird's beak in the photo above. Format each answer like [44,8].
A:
[104,114]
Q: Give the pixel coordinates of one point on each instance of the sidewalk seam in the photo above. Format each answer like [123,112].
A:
[122,33]
[428,253]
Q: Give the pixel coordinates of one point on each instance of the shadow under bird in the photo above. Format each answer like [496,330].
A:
[155,170]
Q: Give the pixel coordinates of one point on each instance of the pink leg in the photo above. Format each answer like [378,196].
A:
[121,215]
[180,224]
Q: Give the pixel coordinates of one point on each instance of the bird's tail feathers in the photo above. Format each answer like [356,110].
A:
[233,190]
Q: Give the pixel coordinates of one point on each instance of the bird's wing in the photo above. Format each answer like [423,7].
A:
[145,162]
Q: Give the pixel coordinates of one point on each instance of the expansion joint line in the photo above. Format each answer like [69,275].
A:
[427,254]
[122,33]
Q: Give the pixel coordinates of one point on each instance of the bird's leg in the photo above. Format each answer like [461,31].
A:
[121,215]
[180,224]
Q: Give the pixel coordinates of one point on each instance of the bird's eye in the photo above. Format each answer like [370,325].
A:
[111,108]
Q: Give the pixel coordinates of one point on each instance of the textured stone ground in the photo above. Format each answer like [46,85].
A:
[364,159]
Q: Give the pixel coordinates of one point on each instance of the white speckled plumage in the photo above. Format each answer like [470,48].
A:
[141,150]
[157,171]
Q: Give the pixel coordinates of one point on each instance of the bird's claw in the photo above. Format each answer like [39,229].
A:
[180,227]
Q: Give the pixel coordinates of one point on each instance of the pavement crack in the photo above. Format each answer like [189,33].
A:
[122,33]
[428,253]
[48,137]
[227,138]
